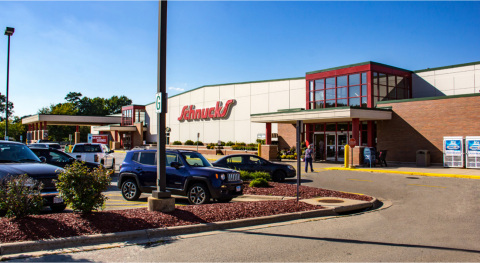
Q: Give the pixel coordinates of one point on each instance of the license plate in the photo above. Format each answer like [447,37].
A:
[239,188]
[57,200]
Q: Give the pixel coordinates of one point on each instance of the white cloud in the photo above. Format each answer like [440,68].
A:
[176,89]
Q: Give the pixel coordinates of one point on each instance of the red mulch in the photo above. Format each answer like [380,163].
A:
[47,226]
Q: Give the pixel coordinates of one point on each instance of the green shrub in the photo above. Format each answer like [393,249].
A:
[259,182]
[229,143]
[263,175]
[284,156]
[199,143]
[189,142]
[177,143]
[20,196]
[246,176]
[81,188]
[261,141]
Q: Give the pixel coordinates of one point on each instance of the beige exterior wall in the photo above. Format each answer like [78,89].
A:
[445,82]
[251,98]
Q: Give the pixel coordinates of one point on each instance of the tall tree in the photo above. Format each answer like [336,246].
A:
[2,107]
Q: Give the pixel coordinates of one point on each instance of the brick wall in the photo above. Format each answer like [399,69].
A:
[286,136]
[421,125]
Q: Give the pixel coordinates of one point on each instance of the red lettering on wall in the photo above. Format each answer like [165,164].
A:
[190,113]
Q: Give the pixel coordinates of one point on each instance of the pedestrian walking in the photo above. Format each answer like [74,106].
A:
[309,158]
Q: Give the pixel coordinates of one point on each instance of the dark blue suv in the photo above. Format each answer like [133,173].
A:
[188,174]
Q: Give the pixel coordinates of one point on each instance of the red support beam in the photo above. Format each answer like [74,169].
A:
[268,134]
[355,129]
[370,139]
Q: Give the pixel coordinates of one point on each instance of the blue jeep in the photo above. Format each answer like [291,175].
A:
[188,174]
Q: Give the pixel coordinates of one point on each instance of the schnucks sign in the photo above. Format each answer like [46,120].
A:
[190,113]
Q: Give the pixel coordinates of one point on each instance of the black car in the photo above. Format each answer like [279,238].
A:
[58,158]
[17,159]
[253,163]
[188,174]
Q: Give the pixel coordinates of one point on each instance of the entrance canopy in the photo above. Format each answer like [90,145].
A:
[343,114]
[71,120]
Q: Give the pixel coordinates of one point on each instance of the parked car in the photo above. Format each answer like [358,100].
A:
[95,153]
[188,173]
[253,163]
[17,159]
[51,145]
[58,158]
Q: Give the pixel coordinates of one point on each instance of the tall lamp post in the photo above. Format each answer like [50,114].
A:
[8,32]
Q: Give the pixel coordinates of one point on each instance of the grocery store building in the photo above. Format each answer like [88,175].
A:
[380,106]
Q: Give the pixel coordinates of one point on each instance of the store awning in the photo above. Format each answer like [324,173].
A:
[343,114]
[117,128]
[72,120]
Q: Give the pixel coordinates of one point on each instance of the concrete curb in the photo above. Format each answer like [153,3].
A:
[148,234]
[406,173]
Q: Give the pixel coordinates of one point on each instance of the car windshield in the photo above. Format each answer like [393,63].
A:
[196,159]
[16,153]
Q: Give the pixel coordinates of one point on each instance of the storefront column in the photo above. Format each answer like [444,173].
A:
[355,129]
[370,139]
[308,140]
[268,133]
[35,132]
[77,135]
[45,131]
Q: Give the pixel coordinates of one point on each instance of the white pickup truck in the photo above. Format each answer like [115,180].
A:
[94,152]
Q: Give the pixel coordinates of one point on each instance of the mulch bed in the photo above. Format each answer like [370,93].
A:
[48,226]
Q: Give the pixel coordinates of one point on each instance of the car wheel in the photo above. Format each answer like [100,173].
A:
[198,194]
[224,200]
[278,176]
[58,208]
[130,190]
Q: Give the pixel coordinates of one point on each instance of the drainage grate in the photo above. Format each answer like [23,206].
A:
[330,201]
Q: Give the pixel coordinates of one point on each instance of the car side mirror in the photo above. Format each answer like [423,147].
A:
[42,159]
[176,165]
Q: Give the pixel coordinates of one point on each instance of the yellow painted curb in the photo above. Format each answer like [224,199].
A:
[407,173]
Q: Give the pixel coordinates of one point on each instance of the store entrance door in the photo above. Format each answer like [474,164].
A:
[330,146]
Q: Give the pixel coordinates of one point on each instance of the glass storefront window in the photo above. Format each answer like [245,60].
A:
[330,94]
[311,96]
[342,103]
[342,126]
[364,102]
[311,86]
[329,103]
[354,101]
[383,91]
[318,127]
[319,95]
[391,81]
[319,104]
[364,90]
[391,92]
[330,83]
[342,81]
[331,127]
[319,83]
[354,91]
[364,78]
[382,79]
[354,79]
[342,92]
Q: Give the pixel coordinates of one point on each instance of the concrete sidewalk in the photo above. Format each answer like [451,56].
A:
[397,168]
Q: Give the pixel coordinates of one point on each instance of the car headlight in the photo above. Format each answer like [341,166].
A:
[291,167]
[221,176]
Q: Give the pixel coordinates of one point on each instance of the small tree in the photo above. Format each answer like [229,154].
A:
[20,196]
[81,188]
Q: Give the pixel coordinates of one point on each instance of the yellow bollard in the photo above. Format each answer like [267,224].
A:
[259,149]
[347,156]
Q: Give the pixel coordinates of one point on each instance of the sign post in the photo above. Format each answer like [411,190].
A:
[198,138]
[352,143]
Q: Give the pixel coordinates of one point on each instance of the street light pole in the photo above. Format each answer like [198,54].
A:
[8,32]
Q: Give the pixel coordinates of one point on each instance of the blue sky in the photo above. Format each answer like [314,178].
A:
[107,48]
